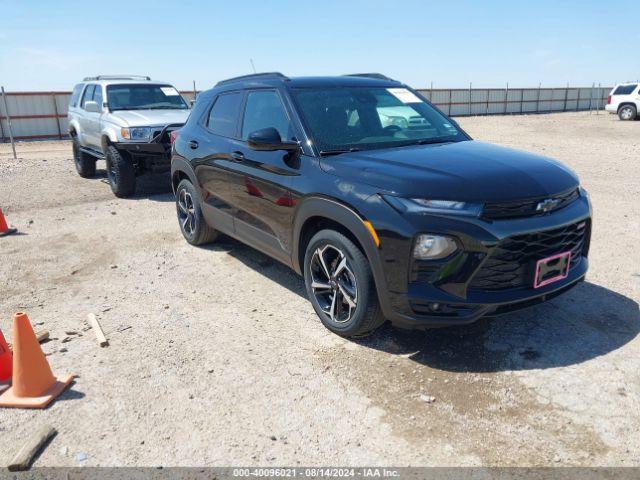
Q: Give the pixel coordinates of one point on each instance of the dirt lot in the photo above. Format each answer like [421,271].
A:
[216,358]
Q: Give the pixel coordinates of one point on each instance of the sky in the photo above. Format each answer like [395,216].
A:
[51,45]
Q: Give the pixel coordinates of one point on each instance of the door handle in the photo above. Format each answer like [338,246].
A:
[238,156]
[193,144]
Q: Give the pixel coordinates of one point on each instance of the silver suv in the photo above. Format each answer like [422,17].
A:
[127,121]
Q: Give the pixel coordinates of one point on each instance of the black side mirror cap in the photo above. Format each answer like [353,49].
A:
[269,140]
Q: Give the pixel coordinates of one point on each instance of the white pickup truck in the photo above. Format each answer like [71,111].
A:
[127,121]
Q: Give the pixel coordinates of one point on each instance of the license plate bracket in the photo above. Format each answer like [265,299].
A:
[552,269]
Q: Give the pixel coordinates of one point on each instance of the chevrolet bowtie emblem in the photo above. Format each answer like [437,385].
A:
[547,205]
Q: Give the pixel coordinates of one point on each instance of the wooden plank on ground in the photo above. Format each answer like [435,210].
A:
[95,325]
[26,454]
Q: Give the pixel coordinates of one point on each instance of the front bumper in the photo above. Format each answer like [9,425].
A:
[153,156]
[449,292]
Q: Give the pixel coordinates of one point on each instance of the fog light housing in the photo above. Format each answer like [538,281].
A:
[433,247]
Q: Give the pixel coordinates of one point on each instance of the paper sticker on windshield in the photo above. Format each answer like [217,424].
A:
[169,91]
[404,95]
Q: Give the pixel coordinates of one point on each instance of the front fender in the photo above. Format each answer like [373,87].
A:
[354,222]
[74,125]
[110,133]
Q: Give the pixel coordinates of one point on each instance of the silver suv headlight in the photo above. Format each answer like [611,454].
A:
[136,133]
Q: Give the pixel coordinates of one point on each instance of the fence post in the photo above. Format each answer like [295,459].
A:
[1,129]
[431,93]
[599,98]
[195,92]
[521,99]
[538,98]
[578,100]
[566,93]
[591,96]
[486,110]
[55,112]
[8,117]
[469,98]
[506,97]
[450,96]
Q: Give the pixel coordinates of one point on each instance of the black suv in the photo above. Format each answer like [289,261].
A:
[383,203]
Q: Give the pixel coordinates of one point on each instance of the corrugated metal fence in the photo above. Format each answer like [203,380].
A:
[36,115]
[499,101]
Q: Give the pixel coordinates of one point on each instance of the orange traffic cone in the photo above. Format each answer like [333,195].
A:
[34,386]
[5,364]
[4,228]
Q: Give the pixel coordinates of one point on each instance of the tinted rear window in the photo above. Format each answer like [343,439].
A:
[624,89]
[223,117]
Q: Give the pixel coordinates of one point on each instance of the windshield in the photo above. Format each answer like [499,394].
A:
[144,97]
[361,118]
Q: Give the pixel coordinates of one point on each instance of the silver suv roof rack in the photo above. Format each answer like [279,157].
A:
[116,77]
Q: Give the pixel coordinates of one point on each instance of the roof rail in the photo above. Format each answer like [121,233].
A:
[379,76]
[253,75]
[116,77]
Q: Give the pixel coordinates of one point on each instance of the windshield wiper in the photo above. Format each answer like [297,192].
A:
[427,141]
[338,151]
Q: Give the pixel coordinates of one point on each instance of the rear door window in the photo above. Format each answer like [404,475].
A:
[223,117]
[624,89]
[75,96]
[88,95]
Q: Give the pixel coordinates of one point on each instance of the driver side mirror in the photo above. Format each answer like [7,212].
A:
[269,140]
[92,107]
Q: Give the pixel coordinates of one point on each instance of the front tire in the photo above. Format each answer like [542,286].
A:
[627,112]
[85,163]
[193,226]
[121,173]
[340,285]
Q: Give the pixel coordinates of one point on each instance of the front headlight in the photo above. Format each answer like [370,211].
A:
[433,247]
[422,205]
[136,133]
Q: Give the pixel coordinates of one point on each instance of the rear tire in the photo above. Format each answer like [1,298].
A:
[85,163]
[121,173]
[343,291]
[193,226]
[627,112]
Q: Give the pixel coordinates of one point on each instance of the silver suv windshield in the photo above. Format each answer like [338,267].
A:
[144,97]
[361,118]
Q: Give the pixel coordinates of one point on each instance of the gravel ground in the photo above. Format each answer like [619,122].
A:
[216,358]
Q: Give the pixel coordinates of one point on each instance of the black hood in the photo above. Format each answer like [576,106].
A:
[467,171]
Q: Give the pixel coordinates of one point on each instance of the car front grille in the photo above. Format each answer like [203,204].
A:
[512,262]
[528,207]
